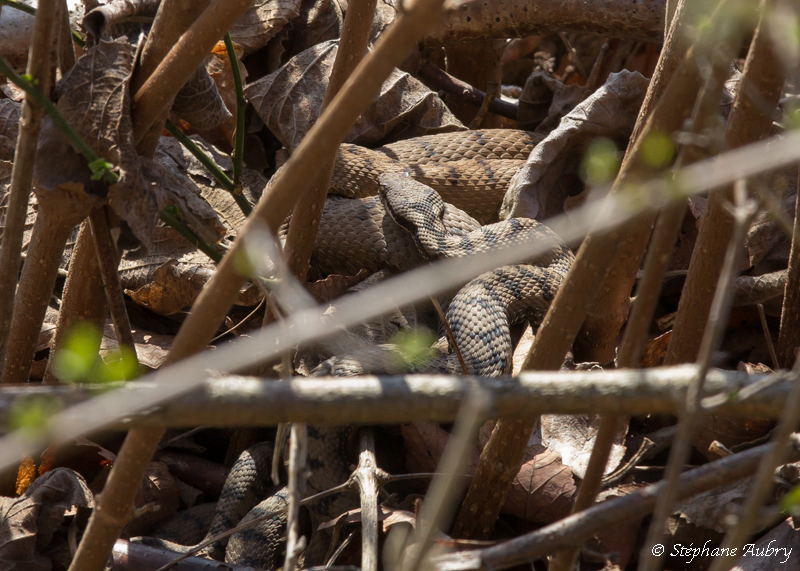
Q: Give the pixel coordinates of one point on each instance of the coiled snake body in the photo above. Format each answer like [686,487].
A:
[406,225]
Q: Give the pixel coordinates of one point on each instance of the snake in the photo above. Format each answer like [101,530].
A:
[400,206]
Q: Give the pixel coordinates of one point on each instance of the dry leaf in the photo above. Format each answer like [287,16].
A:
[97,20]
[101,115]
[543,489]
[10,111]
[776,551]
[151,348]
[550,175]
[171,188]
[30,218]
[317,22]
[545,100]
[572,436]
[200,104]
[219,68]
[289,102]
[262,21]
[26,474]
[541,492]
[655,350]
[334,285]
[32,531]
[619,540]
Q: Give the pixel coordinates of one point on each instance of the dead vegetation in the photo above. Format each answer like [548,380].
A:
[151,153]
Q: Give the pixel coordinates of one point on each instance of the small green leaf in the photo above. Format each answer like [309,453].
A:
[791,501]
[99,168]
[657,149]
[120,365]
[601,162]
[32,415]
[414,346]
[79,358]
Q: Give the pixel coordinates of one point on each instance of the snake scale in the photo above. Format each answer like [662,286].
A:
[404,204]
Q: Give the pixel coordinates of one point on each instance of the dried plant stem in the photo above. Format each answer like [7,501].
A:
[308,210]
[577,528]
[213,168]
[108,263]
[439,79]
[502,456]
[39,68]
[441,499]
[247,401]
[297,482]
[58,214]
[789,334]
[66,53]
[83,298]
[767,336]
[763,481]
[590,485]
[366,475]
[291,181]
[630,352]
[624,19]
[688,421]
[174,69]
[599,333]
[172,19]
[750,120]
[238,146]
[110,516]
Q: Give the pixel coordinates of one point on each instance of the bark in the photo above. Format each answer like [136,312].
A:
[789,335]
[750,120]
[83,298]
[155,96]
[502,456]
[250,401]
[172,19]
[213,303]
[40,69]
[58,214]
[499,19]
[572,531]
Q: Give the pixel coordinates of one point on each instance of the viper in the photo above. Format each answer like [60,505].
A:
[403,208]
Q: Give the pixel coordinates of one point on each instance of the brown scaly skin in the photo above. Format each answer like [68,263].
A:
[408,224]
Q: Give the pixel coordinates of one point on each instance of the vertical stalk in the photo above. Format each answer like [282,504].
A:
[40,69]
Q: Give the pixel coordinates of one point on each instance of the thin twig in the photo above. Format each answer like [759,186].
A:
[763,481]
[441,80]
[408,288]
[768,336]
[238,147]
[577,528]
[246,401]
[108,262]
[98,166]
[213,168]
[155,95]
[789,333]
[720,307]
[366,475]
[168,217]
[297,479]
[441,500]
[39,69]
